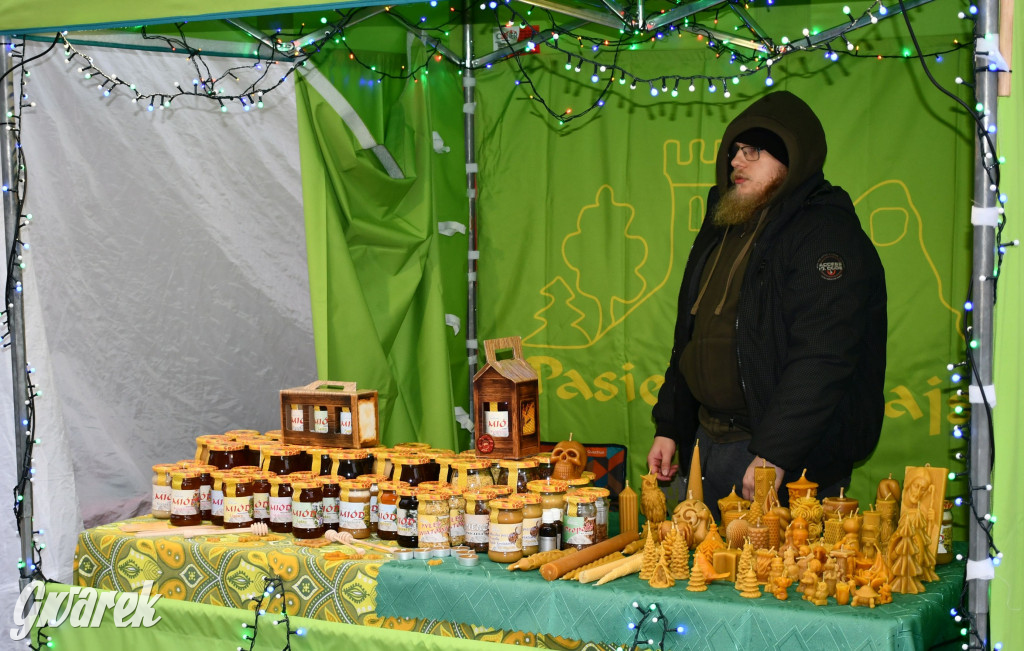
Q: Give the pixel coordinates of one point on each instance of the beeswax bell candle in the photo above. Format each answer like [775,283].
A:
[629,510]
[695,483]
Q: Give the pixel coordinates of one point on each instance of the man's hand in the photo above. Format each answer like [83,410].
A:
[659,459]
[748,476]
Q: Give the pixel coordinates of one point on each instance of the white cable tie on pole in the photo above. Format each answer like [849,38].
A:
[472,168]
[472,276]
[451,228]
[468,82]
[472,360]
[439,146]
[981,570]
[463,418]
[975,395]
[473,255]
[988,47]
[453,322]
[471,344]
[469,107]
[471,193]
[985,217]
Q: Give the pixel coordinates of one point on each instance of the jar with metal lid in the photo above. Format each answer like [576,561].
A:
[321,461]
[203,452]
[505,530]
[478,519]
[217,497]
[552,502]
[185,497]
[226,454]
[307,509]
[412,470]
[387,509]
[205,488]
[350,463]
[579,521]
[532,514]
[408,516]
[601,505]
[237,501]
[545,465]
[280,504]
[516,473]
[331,487]
[433,519]
[282,460]
[354,507]
[161,507]
[578,483]
[250,450]
[261,496]
[375,481]
[472,474]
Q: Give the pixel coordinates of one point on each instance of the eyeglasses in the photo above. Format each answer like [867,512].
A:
[750,152]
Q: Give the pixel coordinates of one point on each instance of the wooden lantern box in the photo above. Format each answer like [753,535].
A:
[329,414]
[505,393]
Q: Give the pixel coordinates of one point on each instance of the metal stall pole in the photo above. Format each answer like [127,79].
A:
[984,218]
[469,123]
[16,312]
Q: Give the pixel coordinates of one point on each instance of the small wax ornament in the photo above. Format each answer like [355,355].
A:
[838,508]
[570,459]
[629,516]
[652,500]
[695,482]
[802,487]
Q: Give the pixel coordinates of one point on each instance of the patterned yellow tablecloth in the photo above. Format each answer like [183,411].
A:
[228,570]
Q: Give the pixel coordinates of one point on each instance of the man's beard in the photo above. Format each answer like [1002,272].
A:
[733,209]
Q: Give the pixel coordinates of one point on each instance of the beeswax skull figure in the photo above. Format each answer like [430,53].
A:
[570,459]
[779,348]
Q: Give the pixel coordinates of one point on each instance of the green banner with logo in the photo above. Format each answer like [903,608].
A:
[585,229]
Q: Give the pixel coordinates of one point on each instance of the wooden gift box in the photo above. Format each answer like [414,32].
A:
[335,398]
[512,381]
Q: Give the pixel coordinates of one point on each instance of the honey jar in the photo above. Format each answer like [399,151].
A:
[332,498]
[532,513]
[226,454]
[545,465]
[387,509]
[516,473]
[580,520]
[321,460]
[433,519]
[279,504]
[552,503]
[237,501]
[375,481]
[161,507]
[350,463]
[471,474]
[282,460]
[205,487]
[354,506]
[478,518]
[505,530]
[307,509]
[217,497]
[185,497]
[261,496]
[408,516]
[601,508]
[413,470]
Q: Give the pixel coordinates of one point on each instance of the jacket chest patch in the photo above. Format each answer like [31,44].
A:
[830,266]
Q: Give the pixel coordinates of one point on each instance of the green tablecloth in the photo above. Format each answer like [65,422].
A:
[490,596]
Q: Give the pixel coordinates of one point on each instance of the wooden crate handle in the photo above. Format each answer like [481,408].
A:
[344,386]
[492,346]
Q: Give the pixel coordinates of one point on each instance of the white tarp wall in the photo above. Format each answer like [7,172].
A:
[166,287]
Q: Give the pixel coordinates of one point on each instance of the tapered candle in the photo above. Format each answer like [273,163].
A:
[695,483]
[629,510]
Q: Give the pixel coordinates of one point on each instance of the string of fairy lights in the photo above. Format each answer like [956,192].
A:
[273,594]
[598,58]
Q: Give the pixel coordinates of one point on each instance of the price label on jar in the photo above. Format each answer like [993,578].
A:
[261,506]
[237,509]
[578,530]
[352,515]
[161,498]
[505,537]
[217,502]
[280,509]
[345,422]
[387,515]
[476,528]
[496,423]
[184,502]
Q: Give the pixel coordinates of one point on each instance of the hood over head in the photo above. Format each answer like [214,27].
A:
[787,116]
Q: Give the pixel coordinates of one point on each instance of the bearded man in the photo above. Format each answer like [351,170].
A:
[779,352]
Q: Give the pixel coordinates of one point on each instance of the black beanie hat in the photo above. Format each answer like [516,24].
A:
[767,140]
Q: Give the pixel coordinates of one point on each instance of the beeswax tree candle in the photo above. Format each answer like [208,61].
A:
[695,482]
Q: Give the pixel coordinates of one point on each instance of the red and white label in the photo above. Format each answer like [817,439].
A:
[307,515]
[352,515]
[345,422]
[217,502]
[185,502]
[320,421]
[260,506]
[204,497]
[407,525]
[161,498]
[298,420]
[238,509]
[387,516]
[330,510]
[496,423]
[374,517]
[280,509]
